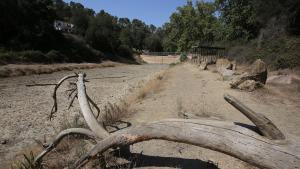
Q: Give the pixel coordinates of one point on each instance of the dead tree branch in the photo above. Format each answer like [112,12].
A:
[73,131]
[271,150]
[87,111]
[72,101]
[224,137]
[54,108]
[95,105]
[265,126]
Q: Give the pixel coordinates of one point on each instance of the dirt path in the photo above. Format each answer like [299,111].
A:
[200,94]
[24,110]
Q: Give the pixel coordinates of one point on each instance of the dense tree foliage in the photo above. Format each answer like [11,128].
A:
[28,25]
[190,26]
[207,23]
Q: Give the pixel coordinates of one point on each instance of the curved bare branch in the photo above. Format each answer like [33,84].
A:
[54,108]
[86,109]
[95,105]
[224,137]
[63,134]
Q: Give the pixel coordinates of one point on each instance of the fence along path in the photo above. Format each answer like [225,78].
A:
[197,55]
[207,54]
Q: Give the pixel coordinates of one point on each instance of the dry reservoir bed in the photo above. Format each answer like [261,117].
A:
[24,111]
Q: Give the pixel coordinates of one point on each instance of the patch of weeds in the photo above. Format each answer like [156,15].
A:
[151,86]
[27,163]
[115,112]
[183,57]
[75,123]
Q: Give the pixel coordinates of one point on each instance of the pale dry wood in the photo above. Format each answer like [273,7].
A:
[265,126]
[86,110]
[233,139]
[72,131]
[224,137]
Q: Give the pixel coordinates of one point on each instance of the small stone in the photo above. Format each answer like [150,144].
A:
[203,65]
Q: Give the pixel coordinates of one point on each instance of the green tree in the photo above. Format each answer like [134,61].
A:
[139,32]
[240,19]
[191,25]
[27,24]
[81,18]
[153,43]
[102,32]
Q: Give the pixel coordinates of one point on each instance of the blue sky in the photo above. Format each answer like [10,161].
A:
[155,12]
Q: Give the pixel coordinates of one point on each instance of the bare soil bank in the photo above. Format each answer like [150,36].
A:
[160,59]
[21,70]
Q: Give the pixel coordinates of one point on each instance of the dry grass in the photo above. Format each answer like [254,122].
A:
[21,70]
[114,113]
[152,86]
[183,112]
[64,155]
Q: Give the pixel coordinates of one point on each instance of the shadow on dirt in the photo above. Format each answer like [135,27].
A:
[141,160]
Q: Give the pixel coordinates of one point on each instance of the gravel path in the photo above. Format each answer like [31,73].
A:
[24,110]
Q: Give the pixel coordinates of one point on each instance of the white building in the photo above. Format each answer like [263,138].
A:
[63,26]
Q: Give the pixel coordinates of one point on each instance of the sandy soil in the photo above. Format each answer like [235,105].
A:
[24,110]
[183,89]
[200,93]
[160,59]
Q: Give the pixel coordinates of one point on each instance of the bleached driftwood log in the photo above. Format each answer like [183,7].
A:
[265,148]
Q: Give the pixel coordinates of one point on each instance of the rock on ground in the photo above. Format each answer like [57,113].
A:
[203,65]
[249,85]
[251,80]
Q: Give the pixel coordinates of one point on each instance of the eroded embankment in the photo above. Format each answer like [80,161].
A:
[21,70]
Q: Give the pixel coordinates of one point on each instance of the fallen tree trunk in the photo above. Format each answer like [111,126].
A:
[225,137]
[265,148]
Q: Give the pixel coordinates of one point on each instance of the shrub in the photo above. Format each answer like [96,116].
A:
[32,56]
[56,56]
[283,62]
[5,58]
[125,52]
[76,50]
[28,163]
[183,57]
[23,56]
